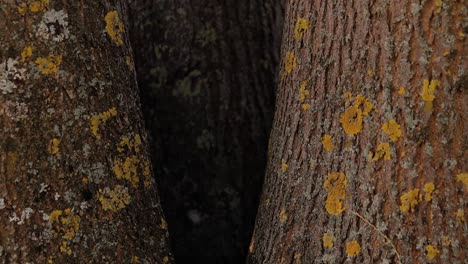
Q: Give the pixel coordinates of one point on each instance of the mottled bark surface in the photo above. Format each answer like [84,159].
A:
[367,157]
[76,183]
[207,71]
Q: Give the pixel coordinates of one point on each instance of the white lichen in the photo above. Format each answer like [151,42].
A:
[53,26]
[9,73]
[2,203]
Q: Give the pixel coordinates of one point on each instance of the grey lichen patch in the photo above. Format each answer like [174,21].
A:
[53,26]
[2,203]
[206,140]
[96,172]
[191,85]
[10,73]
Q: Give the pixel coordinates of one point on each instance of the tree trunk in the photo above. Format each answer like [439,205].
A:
[76,183]
[367,156]
[207,72]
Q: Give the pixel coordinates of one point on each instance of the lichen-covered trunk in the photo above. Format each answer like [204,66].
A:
[76,183]
[367,157]
[207,70]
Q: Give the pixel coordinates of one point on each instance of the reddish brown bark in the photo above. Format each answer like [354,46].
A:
[344,182]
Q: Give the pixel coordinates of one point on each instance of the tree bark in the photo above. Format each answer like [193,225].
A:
[367,156]
[76,183]
[207,72]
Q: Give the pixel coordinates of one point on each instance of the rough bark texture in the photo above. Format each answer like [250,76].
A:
[76,183]
[207,71]
[345,183]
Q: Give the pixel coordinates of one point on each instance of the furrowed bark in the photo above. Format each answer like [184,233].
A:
[76,182]
[367,156]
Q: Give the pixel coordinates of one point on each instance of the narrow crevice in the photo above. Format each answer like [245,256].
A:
[207,72]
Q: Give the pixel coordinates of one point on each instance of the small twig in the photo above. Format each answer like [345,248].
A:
[380,232]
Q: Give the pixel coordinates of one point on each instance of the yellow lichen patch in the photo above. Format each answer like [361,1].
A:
[409,200]
[383,150]
[283,216]
[114,27]
[49,65]
[368,106]
[328,143]
[85,180]
[147,174]
[305,107]
[126,142]
[302,25]
[66,223]
[284,166]
[303,92]
[402,91]
[165,260]
[438,4]
[428,189]
[353,248]
[446,241]
[163,224]
[460,216]
[96,120]
[114,199]
[127,169]
[290,62]
[428,93]
[327,240]
[348,96]
[135,260]
[392,129]
[53,146]
[463,178]
[335,185]
[431,252]
[351,120]
[35,6]
[26,53]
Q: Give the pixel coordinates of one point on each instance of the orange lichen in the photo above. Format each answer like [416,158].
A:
[383,150]
[463,178]
[53,146]
[26,53]
[328,143]
[305,107]
[96,120]
[428,189]
[460,216]
[290,62]
[163,224]
[327,240]
[303,92]
[431,252]
[335,185]
[402,91]
[409,200]
[34,7]
[67,224]
[135,260]
[302,25]
[353,248]
[251,246]
[127,169]
[392,129]
[131,145]
[284,166]
[283,216]
[114,199]
[428,93]
[438,4]
[351,120]
[114,27]
[49,65]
